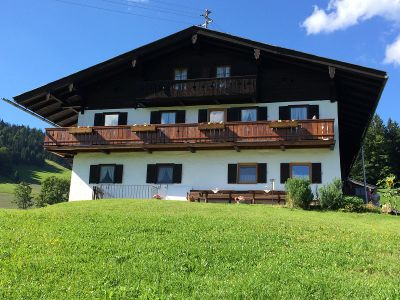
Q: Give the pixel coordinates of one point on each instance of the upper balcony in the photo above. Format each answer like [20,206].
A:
[192,137]
[237,86]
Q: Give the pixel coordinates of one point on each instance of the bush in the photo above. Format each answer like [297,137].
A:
[353,204]
[298,193]
[22,195]
[53,190]
[331,195]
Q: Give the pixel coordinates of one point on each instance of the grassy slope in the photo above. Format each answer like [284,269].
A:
[163,249]
[33,175]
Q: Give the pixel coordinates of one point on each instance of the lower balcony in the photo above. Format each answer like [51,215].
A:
[192,137]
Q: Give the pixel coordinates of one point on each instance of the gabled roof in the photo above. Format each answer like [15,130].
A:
[359,88]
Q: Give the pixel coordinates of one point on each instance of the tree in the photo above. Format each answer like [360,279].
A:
[22,195]
[5,162]
[392,137]
[53,190]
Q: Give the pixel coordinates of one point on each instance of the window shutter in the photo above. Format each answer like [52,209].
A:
[151,174]
[262,113]
[118,173]
[94,174]
[316,174]
[262,173]
[202,115]
[233,114]
[313,110]
[177,175]
[98,119]
[180,116]
[285,172]
[284,113]
[155,117]
[123,118]
[232,173]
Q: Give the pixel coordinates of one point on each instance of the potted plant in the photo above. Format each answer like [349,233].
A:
[211,125]
[284,124]
[143,128]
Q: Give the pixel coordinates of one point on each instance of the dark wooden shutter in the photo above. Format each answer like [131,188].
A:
[94,174]
[262,173]
[98,119]
[119,169]
[123,118]
[316,173]
[313,110]
[177,175]
[151,174]
[233,114]
[155,117]
[285,172]
[180,116]
[232,173]
[284,113]
[262,113]
[202,115]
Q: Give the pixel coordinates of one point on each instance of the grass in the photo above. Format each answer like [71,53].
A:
[33,175]
[126,249]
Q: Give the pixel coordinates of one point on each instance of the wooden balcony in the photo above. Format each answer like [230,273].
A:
[238,86]
[234,135]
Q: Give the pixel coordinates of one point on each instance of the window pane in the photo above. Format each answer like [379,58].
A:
[111,120]
[168,118]
[247,174]
[301,171]
[180,74]
[164,174]
[107,174]
[217,116]
[223,72]
[298,113]
[249,115]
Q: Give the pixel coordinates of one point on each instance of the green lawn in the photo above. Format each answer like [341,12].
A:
[126,249]
[33,175]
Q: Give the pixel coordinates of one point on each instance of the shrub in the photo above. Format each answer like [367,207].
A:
[298,193]
[331,195]
[22,195]
[353,204]
[53,190]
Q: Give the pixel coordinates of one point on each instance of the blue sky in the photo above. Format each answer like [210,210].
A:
[44,40]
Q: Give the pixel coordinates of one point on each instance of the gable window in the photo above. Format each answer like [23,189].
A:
[298,113]
[111,119]
[168,117]
[302,171]
[216,115]
[165,174]
[247,173]
[248,114]
[180,74]
[223,71]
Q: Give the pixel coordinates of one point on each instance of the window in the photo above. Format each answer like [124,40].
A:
[223,71]
[168,117]
[298,113]
[111,120]
[165,174]
[107,174]
[247,173]
[216,116]
[300,171]
[248,114]
[180,74]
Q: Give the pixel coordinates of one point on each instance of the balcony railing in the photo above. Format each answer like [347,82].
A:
[261,134]
[231,86]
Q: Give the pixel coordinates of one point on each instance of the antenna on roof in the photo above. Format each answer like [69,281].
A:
[207,19]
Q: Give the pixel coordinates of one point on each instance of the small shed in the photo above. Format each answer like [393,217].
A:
[356,188]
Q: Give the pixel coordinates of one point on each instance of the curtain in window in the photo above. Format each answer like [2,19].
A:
[217,116]
[247,174]
[111,120]
[168,118]
[298,113]
[249,115]
[164,174]
[106,174]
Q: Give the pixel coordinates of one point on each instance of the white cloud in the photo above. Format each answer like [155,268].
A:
[341,14]
[392,54]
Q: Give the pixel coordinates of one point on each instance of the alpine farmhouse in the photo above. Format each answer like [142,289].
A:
[201,112]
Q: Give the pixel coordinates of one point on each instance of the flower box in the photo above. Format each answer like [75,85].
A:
[80,130]
[284,124]
[209,126]
[144,128]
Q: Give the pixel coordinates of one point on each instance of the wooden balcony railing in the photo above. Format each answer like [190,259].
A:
[308,133]
[231,86]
